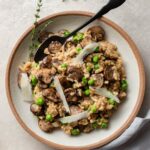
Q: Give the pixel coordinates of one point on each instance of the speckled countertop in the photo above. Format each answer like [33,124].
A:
[17,15]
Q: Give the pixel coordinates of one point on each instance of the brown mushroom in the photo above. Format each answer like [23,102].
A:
[46,62]
[64,82]
[75,73]
[45,126]
[71,95]
[111,73]
[97,33]
[50,94]
[99,80]
[44,75]
[36,109]
[54,47]
[75,110]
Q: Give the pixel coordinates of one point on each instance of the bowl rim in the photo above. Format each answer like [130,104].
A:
[136,107]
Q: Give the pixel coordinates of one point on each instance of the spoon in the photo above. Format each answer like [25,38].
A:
[110,5]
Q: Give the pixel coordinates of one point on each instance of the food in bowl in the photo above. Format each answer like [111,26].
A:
[78,85]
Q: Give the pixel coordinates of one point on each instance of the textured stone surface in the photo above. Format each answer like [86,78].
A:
[17,15]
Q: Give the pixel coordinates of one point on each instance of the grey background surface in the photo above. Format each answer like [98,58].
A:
[17,15]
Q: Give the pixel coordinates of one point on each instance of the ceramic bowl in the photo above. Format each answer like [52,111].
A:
[123,116]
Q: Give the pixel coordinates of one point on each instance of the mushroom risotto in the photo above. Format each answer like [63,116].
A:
[78,85]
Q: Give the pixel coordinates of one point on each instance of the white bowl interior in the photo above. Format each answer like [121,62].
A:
[119,118]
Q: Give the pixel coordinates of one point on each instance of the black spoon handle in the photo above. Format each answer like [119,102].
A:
[110,5]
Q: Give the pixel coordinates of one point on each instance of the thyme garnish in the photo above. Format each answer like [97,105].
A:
[34,40]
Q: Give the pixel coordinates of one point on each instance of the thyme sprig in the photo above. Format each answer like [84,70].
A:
[34,34]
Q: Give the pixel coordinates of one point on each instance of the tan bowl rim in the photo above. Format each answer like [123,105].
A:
[140,95]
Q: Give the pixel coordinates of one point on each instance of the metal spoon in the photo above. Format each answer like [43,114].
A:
[110,5]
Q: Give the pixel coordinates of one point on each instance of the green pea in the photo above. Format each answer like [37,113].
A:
[96,49]
[94,125]
[78,37]
[39,101]
[87,92]
[64,65]
[95,59]
[88,68]
[91,82]
[96,66]
[34,80]
[84,80]
[112,101]
[49,118]
[75,132]
[104,125]
[78,49]
[93,108]
[66,33]
[124,85]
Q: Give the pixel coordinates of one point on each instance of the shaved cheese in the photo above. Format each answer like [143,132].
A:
[61,93]
[104,92]
[74,118]
[86,51]
[26,88]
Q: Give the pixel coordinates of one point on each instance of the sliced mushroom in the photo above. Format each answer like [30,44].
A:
[50,94]
[71,95]
[44,75]
[45,126]
[111,73]
[36,109]
[64,82]
[75,110]
[54,47]
[46,62]
[97,33]
[99,79]
[75,73]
